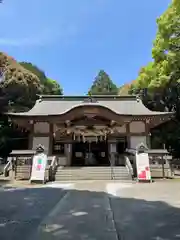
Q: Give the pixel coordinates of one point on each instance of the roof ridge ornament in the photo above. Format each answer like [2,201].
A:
[138,98]
[40,148]
[90,99]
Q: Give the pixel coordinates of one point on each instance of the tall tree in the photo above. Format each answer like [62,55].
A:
[49,86]
[165,69]
[19,86]
[103,85]
[161,77]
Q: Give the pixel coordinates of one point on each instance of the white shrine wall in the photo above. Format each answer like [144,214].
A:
[137,127]
[41,127]
[44,141]
[136,140]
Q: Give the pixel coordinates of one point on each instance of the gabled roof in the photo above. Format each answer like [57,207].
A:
[52,105]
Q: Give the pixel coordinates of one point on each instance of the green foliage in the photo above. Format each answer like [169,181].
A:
[103,85]
[49,86]
[19,86]
[161,77]
[52,87]
[32,68]
[165,69]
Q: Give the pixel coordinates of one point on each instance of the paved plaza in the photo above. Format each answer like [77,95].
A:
[91,210]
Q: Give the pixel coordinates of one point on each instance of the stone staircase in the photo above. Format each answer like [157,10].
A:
[92,173]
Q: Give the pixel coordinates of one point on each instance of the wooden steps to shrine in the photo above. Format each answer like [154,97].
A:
[92,173]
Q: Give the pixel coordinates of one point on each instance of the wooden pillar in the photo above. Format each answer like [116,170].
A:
[69,153]
[67,148]
[31,134]
[128,134]
[147,132]
[51,129]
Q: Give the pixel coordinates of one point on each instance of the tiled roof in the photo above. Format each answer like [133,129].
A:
[57,105]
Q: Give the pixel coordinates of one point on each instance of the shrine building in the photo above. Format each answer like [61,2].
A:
[71,127]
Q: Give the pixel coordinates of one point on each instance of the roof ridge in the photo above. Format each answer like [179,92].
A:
[81,97]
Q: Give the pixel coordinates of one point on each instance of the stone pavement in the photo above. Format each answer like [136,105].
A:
[80,215]
[23,209]
[92,210]
[148,211]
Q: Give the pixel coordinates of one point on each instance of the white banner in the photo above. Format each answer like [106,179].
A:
[143,168]
[39,167]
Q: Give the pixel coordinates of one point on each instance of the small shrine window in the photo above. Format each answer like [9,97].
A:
[78,154]
[58,148]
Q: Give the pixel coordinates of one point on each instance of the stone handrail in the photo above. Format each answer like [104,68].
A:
[129,166]
[131,151]
[52,168]
[54,162]
[112,162]
[8,166]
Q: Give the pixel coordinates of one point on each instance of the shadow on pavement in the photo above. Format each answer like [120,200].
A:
[22,210]
[4,182]
[84,215]
[140,219]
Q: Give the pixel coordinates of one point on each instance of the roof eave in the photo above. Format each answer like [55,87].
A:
[160,114]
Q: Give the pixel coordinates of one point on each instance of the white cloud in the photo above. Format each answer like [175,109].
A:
[38,30]
[15,42]
[45,37]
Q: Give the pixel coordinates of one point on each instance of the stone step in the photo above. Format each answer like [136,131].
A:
[92,173]
[74,178]
[89,172]
[92,169]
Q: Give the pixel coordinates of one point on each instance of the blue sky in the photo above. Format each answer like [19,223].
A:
[71,40]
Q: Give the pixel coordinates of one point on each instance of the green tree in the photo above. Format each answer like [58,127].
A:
[162,76]
[52,87]
[165,69]
[49,86]
[103,85]
[34,69]
[18,89]
[20,85]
